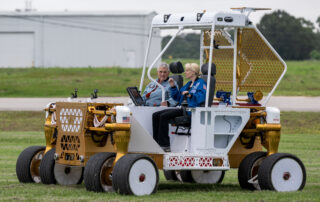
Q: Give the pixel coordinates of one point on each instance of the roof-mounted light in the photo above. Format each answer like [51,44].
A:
[166,18]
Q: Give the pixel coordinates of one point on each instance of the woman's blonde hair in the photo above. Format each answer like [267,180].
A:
[193,67]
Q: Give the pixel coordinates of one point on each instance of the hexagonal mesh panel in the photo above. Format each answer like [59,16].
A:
[258,68]
[71,118]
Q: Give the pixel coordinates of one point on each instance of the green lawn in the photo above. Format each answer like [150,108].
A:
[302,78]
[17,134]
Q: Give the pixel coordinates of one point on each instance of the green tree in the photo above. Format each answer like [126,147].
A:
[184,46]
[293,38]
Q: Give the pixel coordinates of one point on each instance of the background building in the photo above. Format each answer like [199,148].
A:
[75,39]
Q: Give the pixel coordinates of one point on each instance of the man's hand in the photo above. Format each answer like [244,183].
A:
[171,82]
[164,104]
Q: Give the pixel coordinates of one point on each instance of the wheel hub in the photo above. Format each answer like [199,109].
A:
[142,177]
[286,175]
[67,170]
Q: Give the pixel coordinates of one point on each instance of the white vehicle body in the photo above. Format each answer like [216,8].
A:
[214,129]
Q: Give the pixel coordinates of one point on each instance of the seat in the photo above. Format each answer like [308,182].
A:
[185,120]
[176,68]
[204,76]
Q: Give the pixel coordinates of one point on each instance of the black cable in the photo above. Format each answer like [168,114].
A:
[224,118]
[79,26]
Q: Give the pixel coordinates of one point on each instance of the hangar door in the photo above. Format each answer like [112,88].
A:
[16,49]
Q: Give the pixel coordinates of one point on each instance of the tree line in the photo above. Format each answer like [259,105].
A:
[293,38]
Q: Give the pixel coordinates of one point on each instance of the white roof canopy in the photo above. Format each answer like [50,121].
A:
[200,20]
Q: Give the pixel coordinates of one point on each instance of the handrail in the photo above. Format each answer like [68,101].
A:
[145,59]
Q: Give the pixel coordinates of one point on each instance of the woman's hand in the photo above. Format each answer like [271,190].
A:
[171,82]
[186,93]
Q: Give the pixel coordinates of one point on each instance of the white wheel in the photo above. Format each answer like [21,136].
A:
[142,177]
[207,177]
[135,174]
[282,172]
[67,175]
[286,175]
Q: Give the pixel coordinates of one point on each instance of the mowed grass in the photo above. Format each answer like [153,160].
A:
[61,82]
[18,134]
[301,79]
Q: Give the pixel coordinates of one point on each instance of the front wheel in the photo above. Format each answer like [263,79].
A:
[135,174]
[282,172]
[47,168]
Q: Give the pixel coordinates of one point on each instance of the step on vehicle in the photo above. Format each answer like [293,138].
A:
[111,148]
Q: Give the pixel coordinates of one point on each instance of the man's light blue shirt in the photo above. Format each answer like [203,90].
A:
[155,97]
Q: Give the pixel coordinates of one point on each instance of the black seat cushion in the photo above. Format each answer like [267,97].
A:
[204,76]
[212,87]
[176,67]
[205,69]
[184,121]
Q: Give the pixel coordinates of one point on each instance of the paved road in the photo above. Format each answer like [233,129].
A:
[284,103]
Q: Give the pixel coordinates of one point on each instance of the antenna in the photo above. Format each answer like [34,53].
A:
[249,9]
[28,5]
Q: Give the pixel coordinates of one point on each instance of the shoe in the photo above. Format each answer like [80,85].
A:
[166,149]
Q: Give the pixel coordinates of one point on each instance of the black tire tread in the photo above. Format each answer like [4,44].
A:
[266,169]
[170,175]
[120,175]
[245,169]
[23,163]
[92,171]
[186,176]
[221,177]
[47,168]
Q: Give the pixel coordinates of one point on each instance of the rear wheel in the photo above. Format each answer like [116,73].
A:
[170,175]
[207,176]
[185,176]
[98,172]
[68,175]
[28,163]
[47,168]
[248,170]
[282,172]
[135,174]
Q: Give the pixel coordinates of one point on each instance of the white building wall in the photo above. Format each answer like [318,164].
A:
[76,40]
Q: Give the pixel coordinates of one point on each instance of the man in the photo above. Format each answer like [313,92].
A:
[153,93]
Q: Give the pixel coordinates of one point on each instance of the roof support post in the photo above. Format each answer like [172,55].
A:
[157,58]
[146,59]
[210,64]
[234,87]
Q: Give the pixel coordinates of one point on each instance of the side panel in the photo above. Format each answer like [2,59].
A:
[216,129]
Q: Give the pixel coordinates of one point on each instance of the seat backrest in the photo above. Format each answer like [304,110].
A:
[178,79]
[177,68]
[204,76]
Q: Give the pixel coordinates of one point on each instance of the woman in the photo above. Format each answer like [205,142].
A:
[195,92]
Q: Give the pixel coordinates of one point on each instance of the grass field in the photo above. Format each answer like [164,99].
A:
[302,78]
[300,136]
